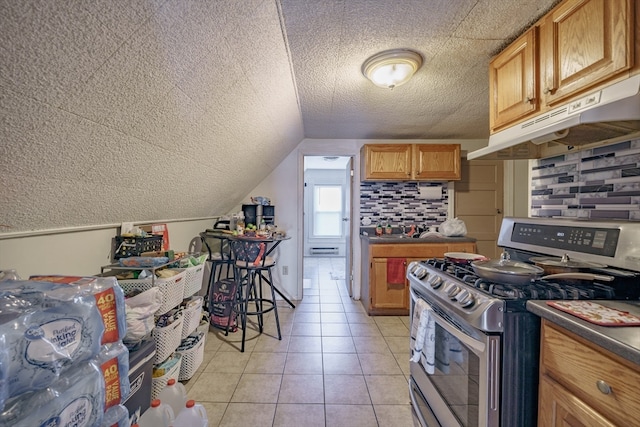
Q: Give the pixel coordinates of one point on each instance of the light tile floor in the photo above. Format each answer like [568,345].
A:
[335,365]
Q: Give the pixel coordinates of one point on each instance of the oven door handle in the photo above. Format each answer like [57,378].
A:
[459,335]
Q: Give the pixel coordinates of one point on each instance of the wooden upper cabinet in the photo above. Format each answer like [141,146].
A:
[513,80]
[386,162]
[410,162]
[436,162]
[583,43]
[579,46]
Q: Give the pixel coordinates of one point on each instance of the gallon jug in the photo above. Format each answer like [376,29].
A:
[157,415]
[174,395]
[192,415]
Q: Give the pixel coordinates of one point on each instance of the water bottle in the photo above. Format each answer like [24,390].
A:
[174,395]
[192,415]
[157,415]
[6,275]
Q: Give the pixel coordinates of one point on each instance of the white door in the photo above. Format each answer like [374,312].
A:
[348,209]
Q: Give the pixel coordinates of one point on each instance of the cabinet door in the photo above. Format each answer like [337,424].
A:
[559,408]
[469,248]
[583,43]
[513,81]
[386,295]
[436,162]
[385,162]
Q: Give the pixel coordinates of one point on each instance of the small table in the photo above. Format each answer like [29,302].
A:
[271,242]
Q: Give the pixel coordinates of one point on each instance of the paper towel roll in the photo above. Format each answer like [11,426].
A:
[431,193]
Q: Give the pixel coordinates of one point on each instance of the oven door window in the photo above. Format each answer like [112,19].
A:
[456,376]
[456,372]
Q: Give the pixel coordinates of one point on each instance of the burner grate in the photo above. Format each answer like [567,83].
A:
[536,289]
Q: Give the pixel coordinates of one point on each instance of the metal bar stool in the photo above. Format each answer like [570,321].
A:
[220,260]
[253,269]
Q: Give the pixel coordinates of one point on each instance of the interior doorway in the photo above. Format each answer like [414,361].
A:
[327,213]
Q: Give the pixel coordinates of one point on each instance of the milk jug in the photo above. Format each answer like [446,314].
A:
[174,395]
[192,415]
[157,415]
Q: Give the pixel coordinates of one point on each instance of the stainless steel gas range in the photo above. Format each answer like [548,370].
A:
[477,363]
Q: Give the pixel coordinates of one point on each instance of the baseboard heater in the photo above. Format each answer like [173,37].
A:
[324,251]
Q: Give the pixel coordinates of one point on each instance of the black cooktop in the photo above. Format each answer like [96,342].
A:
[619,289]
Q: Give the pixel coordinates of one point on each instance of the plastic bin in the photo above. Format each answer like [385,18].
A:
[193,279]
[134,245]
[192,315]
[163,372]
[167,339]
[191,358]
[172,289]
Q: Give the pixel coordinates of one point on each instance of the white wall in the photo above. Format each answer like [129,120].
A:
[79,251]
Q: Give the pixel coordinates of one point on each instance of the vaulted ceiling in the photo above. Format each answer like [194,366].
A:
[114,111]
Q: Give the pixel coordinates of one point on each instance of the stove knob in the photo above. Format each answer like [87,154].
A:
[465,299]
[452,290]
[421,273]
[435,281]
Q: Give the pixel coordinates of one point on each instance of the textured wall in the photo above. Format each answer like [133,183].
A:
[401,204]
[139,110]
[600,183]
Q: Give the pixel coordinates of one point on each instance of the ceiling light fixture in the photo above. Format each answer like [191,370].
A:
[392,68]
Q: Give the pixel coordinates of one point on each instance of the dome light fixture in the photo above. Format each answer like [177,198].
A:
[392,68]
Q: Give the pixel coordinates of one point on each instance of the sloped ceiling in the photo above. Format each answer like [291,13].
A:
[115,111]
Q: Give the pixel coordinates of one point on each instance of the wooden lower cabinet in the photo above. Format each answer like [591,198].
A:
[385,295]
[582,384]
[565,409]
[383,298]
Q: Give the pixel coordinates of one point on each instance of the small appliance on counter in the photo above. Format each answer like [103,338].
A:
[254,214]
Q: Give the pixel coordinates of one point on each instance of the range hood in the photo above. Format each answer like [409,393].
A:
[601,116]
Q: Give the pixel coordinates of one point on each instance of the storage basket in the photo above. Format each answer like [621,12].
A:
[134,245]
[162,373]
[191,315]
[191,358]
[193,279]
[204,323]
[172,289]
[167,339]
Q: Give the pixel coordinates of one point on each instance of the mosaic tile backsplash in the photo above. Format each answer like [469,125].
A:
[400,203]
[600,183]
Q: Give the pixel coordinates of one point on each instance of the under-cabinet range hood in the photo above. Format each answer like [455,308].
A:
[601,116]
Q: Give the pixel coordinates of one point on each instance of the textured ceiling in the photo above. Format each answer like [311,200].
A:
[114,111]
[447,98]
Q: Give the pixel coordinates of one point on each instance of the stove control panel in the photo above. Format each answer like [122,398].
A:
[455,296]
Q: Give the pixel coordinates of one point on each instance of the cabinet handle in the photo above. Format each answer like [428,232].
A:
[529,100]
[603,387]
[547,90]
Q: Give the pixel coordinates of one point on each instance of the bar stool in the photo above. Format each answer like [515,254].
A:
[253,269]
[220,261]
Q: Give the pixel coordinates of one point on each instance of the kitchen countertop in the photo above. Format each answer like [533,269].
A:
[623,341]
[395,238]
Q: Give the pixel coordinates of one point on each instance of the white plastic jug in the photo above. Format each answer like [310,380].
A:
[174,395]
[192,415]
[157,415]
